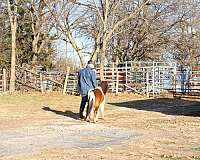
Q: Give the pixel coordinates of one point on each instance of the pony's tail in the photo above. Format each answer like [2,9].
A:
[91,99]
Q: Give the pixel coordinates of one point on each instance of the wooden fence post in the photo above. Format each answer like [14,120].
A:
[147,81]
[25,76]
[117,82]
[30,77]
[113,75]
[153,78]
[126,70]
[41,83]
[66,78]
[4,80]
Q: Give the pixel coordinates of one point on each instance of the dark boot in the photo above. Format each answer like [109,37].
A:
[82,107]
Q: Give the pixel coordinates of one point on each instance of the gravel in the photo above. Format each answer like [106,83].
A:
[58,134]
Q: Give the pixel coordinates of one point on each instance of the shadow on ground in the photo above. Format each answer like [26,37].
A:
[69,114]
[164,105]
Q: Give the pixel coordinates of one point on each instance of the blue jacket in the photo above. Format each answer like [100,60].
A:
[86,80]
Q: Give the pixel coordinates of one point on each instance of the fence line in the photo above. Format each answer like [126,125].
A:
[187,82]
[146,78]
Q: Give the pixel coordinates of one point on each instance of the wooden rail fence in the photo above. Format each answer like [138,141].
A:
[146,78]
[3,80]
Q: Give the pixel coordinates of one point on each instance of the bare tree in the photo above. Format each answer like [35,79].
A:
[118,29]
[42,25]
[185,36]
[62,12]
[106,11]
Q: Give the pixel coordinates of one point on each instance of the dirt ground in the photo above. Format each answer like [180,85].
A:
[45,127]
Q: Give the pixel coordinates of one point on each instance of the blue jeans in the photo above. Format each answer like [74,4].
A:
[82,106]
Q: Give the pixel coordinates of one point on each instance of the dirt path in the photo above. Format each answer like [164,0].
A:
[60,134]
[46,128]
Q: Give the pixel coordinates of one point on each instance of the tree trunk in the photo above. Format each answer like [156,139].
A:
[13,22]
[104,40]
[75,47]
[103,58]
[13,60]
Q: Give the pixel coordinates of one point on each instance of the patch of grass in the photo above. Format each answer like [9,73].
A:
[170,157]
[196,149]
[39,100]
[167,142]
[196,157]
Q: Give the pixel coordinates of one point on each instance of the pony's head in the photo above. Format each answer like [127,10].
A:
[104,86]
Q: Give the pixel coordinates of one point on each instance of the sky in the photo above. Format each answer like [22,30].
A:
[69,52]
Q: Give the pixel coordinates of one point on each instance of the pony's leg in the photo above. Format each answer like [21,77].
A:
[90,115]
[96,116]
[87,117]
[90,109]
[101,109]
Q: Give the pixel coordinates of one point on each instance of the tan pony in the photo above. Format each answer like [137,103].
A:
[96,102]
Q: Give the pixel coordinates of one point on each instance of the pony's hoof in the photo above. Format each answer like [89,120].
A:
[87,120]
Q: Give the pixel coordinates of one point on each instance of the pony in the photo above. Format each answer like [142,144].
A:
[96,102]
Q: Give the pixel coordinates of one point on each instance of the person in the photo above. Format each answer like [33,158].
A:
[86,81]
